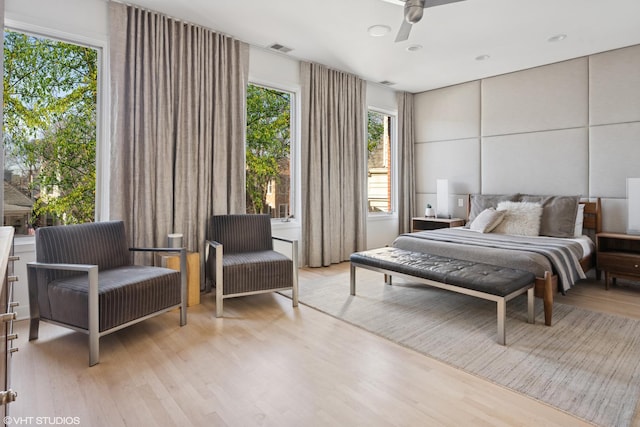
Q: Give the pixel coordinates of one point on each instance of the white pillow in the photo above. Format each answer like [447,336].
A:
[579,221]
[487,220]
[521,218]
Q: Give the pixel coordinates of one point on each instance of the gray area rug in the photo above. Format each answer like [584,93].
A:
[587,363]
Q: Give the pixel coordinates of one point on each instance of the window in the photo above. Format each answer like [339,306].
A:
[50,112]
[380,162]
[268,157]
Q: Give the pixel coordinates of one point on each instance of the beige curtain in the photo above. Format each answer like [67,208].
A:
[406,166]
[178,126]
[333,165]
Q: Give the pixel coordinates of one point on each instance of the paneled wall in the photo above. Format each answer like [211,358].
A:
[567,128]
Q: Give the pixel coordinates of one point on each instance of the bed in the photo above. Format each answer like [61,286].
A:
[559,258]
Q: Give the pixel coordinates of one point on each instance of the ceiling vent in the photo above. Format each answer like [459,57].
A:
[387,83]
[280,48]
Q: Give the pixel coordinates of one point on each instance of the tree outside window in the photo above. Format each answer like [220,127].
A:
[379,177]
[50,95]
[268,174]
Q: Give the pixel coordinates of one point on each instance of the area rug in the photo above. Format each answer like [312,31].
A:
[586,364]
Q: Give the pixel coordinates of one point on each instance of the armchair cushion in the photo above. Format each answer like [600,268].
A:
[256,271]
[125,294]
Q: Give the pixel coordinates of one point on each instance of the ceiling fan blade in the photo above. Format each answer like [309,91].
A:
[432,3]
[403,32]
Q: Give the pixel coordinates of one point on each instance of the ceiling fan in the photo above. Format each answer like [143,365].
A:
[413,13]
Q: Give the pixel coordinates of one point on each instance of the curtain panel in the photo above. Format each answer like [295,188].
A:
[406,165]
[334,165]
[178,126]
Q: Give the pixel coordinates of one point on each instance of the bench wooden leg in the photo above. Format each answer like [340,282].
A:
[353,279]
[548,298]
[531,305]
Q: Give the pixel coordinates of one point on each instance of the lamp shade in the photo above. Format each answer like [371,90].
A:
[442,198]
[633,203]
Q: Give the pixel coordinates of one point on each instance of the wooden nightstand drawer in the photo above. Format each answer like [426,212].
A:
[428,223]
[619,262]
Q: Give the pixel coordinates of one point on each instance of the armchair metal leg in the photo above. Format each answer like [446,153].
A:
[294,258]
[94,318]
[34,327]
[183,286]
[218,303]
[34,309]
[94,349]
[219,281]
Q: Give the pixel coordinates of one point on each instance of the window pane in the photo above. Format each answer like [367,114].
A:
[50,95]
[379,180]
[268,171]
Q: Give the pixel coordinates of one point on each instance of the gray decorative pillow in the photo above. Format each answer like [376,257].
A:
[487,220]
[480,202]
[558,214]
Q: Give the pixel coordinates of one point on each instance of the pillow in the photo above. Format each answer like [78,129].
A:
[487,220]
[558,214]
[480,202]
[521,218]
[577,231]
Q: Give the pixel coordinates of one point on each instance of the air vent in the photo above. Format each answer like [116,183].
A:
[387,83]
[280,48]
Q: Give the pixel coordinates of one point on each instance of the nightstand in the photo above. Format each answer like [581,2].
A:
[618,256]
[421,223]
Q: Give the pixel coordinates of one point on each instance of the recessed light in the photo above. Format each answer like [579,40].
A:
[414,47]
[378,30]
[482,57]
[557,38]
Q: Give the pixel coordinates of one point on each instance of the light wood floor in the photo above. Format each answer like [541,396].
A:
[266,363]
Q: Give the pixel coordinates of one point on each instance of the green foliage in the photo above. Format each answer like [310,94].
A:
[375,130]
[268,142]
[50,97]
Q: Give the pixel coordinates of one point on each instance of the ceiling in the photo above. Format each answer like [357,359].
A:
[513,33]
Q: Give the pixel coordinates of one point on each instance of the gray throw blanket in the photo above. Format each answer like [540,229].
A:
[563,254]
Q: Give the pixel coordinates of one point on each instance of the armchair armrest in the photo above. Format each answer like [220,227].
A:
[212,244]
[294,258]
[92,272]
[294,249]
[217,248]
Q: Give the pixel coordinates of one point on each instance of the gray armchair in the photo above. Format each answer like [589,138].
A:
[83,279]
[243,261]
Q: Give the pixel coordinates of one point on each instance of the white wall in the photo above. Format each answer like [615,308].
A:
[567,128]
[85,18]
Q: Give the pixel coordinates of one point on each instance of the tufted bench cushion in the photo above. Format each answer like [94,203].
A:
[486,278]
[485,281]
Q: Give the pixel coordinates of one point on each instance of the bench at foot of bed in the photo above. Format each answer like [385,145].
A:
[484,281]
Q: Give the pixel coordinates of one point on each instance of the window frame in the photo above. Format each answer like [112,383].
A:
[294,148]
[393,140]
